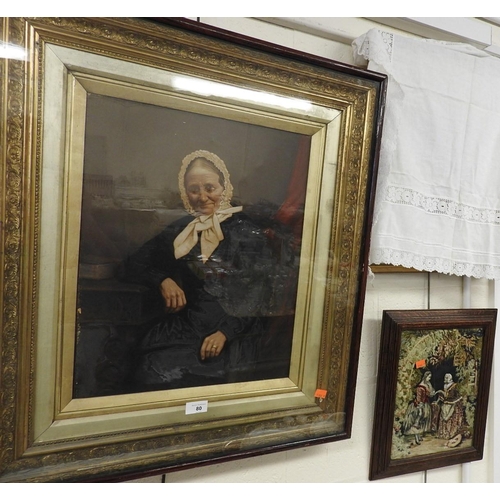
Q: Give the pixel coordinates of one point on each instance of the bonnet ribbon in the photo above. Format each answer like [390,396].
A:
[211,233]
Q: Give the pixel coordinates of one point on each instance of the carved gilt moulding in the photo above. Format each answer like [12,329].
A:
[359,98]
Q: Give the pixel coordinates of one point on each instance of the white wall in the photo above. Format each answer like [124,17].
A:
[348,461]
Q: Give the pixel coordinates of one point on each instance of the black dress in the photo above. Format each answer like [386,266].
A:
[228,293]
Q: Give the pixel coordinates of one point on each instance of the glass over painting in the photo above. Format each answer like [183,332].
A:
[128,340]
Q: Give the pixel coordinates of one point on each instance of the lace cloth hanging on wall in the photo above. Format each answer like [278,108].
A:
[437,206]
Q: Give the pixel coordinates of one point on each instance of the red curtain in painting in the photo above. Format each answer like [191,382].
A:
[291,212]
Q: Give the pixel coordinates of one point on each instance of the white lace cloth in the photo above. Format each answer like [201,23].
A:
[437,206]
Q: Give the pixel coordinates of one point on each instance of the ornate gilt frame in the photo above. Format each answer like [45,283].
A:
[95,450]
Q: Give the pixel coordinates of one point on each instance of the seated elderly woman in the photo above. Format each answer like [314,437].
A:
[211,269]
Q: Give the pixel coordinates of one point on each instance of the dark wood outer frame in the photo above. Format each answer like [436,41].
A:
[19,212]
[393,324]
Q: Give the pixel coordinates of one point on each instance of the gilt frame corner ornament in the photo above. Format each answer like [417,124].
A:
[97,116]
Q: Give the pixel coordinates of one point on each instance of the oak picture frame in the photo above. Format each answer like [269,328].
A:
[53,70]
[432,389]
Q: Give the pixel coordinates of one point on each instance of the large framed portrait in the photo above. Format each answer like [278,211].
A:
[185,219]
[432,389]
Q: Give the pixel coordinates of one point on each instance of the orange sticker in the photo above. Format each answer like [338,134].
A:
[320,393]
[420,364]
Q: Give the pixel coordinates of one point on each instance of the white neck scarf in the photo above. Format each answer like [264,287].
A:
[211,233]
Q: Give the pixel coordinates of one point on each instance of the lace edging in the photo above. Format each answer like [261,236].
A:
[433,264]
[441,206]
[378,53]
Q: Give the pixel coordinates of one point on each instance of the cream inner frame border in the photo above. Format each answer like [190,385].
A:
[69,75]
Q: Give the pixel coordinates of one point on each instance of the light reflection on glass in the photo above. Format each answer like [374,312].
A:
[9,51]
[205,88]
